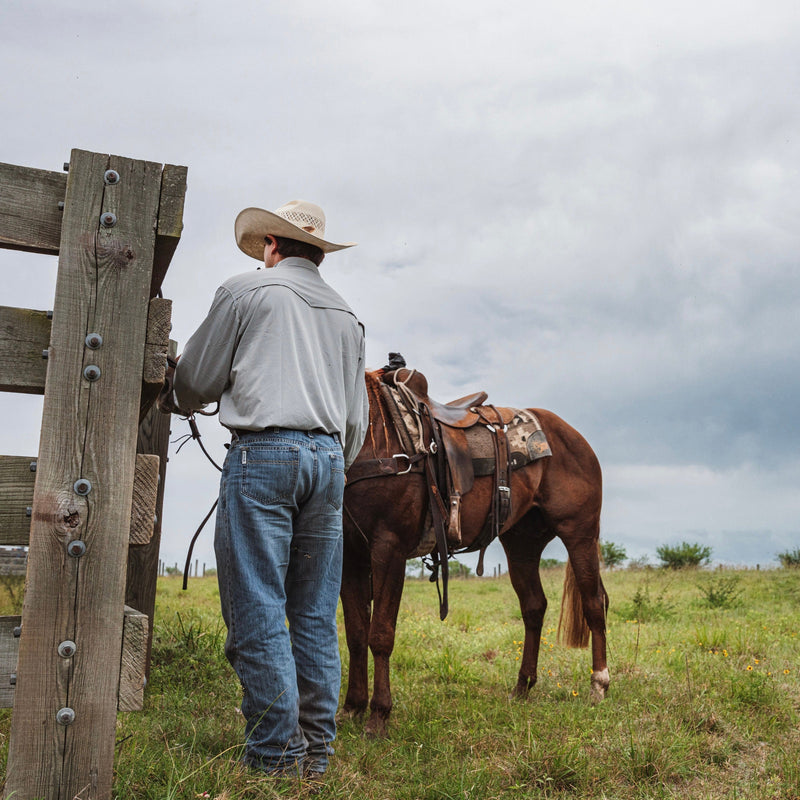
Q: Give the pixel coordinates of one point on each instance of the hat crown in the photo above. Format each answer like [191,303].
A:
[304,215]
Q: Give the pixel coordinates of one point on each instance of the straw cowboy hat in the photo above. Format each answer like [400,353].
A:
[298,219]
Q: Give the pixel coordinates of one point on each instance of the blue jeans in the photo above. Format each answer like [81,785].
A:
[278,545]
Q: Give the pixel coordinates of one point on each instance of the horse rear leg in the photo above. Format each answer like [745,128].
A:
[356,600]
[524,543]
[388,576]
[585,595]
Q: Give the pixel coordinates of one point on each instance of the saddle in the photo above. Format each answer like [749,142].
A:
[449,470]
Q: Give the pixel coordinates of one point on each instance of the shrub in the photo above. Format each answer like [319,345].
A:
[685,554]
[612,554]
[645,608]
[790,558]
[722,592]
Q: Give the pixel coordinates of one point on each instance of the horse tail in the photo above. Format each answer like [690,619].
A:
[572,628]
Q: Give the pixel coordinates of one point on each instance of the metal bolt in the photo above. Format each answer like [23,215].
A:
[18,631]
[12,679]
[92,372]
[66,166]
[67,649]
[93,341]
[65,716]
[33,466]
[45,354]
[111,177]
[82,486]
[60,205]
[28,511]
[108,220]
[49,315]
[76,548]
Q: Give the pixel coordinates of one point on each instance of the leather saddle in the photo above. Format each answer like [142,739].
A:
[453,475]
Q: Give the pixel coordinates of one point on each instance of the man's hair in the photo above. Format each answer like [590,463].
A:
[291,247]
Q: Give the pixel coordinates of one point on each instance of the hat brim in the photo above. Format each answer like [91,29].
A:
[254,224]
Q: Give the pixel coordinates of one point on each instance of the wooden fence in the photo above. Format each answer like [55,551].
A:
[89,504]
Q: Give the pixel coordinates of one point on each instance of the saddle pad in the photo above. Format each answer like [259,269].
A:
[526,442]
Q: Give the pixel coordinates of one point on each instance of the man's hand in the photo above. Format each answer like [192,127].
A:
[166,398]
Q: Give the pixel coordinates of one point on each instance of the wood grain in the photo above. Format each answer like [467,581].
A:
[88,431]
[24,334]
[30,218]
[132,675]
[17,484]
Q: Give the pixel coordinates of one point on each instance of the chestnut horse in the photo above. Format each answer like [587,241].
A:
[384,517]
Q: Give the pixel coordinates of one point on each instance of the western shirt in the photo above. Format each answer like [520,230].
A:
[279,347]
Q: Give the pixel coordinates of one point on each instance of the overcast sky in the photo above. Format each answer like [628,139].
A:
[591,208]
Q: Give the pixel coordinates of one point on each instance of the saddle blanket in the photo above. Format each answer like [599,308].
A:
[526,442]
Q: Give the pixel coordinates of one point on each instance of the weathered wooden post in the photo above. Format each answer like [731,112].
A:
[121,222]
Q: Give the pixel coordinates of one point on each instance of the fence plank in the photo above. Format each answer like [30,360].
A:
[132,675]
[17,482]
[140,590]
[16,495]
[159,322]
[145,491]
[134,657]
[170,221]
[9,648]
[30,218]
[88,432]
[25,334]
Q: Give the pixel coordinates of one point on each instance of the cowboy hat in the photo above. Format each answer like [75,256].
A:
[298,219]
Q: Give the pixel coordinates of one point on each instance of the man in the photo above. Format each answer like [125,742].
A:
[284,355]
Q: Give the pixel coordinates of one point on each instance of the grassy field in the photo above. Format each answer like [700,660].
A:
[704,700]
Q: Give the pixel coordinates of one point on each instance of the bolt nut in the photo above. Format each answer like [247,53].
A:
[67,649]
[17,631]
[108,220]
[66,166]
[33,466]
[82,486]
[76,548]
[111,177]
[45,354]
[92,372]
[28,511]
[93,341]
[60,205]
[12,679]
[65,716]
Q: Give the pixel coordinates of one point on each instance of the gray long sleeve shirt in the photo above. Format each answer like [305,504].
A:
[279,347]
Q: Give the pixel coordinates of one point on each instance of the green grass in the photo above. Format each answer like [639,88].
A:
[704,700]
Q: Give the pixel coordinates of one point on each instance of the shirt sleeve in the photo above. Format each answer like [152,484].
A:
[357,413]
[204,368]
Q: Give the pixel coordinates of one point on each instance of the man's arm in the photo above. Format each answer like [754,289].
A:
[357,413]
[204,368]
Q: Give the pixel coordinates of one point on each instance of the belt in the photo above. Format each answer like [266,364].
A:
[239,432]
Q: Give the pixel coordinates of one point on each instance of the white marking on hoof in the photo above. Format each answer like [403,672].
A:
[600,682]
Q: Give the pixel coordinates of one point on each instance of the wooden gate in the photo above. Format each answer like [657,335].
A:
[78,653]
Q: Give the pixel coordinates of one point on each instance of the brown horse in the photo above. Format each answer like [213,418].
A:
[383,525]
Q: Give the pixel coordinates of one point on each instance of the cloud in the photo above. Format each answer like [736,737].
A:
[587,208]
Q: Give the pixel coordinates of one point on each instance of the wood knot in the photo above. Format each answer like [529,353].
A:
[72,520]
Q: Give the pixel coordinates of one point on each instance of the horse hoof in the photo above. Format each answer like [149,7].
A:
[345,714]
[600,682]
[375,727]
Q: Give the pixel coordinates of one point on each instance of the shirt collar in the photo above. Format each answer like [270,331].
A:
[294,262]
